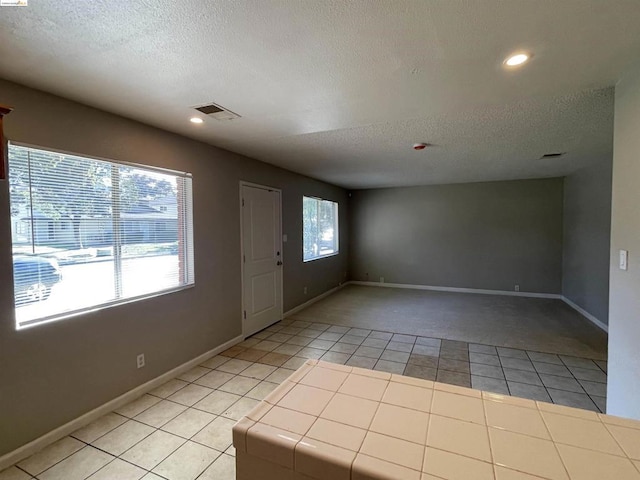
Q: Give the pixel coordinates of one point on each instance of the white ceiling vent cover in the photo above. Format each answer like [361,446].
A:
[216,111]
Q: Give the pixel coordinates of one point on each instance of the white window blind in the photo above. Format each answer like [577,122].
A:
[89,233]
[320,228]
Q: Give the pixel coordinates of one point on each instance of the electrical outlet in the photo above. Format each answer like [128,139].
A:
[305,290]
[381,279]
[140,360]
[517,288]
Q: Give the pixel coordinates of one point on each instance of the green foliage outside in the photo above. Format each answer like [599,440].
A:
[319,226]
[66,187]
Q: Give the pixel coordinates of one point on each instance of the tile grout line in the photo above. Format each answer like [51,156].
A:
[615,439]
[318,416]
[22,470]
[172,452]
[426,439]
[132,446]
[437,368]
[502,366]
[544,386]
[578,381]
[117,458]
[208,466]
[156,429]
[555,445]
[56,463]
[446,339]
[486,424]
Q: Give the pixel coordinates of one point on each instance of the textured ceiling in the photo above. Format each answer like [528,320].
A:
[340,90]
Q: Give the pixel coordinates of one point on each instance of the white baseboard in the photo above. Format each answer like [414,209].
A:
[586,314]
[459,290]
[313,300]
[48,438]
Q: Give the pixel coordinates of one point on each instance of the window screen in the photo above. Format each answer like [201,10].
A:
[88,233]
[320,225]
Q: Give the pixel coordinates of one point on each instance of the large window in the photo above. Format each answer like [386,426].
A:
[88,233]
[320,224]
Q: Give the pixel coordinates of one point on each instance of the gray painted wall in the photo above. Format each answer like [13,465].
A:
[53,373]
[587,232]
[479,235]
[623,384]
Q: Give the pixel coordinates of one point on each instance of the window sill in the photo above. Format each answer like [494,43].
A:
[76,313]
[320,258]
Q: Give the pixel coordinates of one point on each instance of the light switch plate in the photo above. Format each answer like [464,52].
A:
[624,259]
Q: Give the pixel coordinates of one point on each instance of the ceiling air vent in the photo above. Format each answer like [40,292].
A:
[217,112]
[552,155]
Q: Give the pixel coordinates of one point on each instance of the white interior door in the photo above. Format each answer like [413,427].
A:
[261,257]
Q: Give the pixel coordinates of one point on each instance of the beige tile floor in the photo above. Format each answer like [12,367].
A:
[182,430]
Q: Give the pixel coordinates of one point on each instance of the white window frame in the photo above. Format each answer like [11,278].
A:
[336,226]
[187,232]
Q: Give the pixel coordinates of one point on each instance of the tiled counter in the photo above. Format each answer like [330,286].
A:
[331,422]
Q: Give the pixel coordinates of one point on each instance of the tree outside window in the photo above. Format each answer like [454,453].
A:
[320,228]
[111,232]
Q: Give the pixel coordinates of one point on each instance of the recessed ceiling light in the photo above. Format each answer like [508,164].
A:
[517,59]
[196,120]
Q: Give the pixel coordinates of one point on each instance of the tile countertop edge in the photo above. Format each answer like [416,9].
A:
[572,442]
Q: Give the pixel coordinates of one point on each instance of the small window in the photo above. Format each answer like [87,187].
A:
[320,228]
[86,233]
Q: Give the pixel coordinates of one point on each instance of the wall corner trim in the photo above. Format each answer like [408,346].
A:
[459,290]
[586,314]
[48,438]
[308,303]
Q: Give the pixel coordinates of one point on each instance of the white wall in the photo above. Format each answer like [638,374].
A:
[586,238]
[623,390]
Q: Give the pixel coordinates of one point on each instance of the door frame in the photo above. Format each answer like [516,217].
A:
[244,183]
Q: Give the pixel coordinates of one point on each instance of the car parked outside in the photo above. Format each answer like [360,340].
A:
[33,278]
